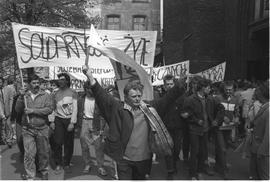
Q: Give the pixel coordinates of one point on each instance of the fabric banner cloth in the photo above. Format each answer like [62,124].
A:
[177,70]
[215,74]
[38,46]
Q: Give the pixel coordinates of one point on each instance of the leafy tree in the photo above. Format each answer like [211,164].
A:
[63,13]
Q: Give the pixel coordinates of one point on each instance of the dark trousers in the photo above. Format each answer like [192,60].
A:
[1,129]
[259,167]
[19,138]
[198,153]
[221,145]
[171,160]
[63,137]
[186,142]
[132,170]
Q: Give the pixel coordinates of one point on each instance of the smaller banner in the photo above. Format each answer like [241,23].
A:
[215,74]
[105,76]
[177,70]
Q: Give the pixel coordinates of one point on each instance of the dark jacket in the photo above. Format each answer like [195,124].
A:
[98,120]
[120,119]
[194,108]
[42,105]
[260,135]
[172,118]
[223,100]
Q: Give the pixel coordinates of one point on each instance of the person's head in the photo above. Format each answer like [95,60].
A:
[43,84]
[2,82]
[10,80]
[228,88]
[53,85]
[262,92]
[133,93]
[168,81]
[203,86]
[63,80]
[34,83]
[87,89]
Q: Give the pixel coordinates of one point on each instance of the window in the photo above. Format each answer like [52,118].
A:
[139,23]
[113,22]
[261,9]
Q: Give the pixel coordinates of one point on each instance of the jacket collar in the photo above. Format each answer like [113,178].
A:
[129,108]
[40,92]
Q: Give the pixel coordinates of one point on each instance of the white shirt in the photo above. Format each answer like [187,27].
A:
[89,106]
[33,96]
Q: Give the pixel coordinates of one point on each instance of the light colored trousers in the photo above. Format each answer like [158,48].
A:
[90,137]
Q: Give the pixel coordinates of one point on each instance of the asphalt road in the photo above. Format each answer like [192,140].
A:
[12,168]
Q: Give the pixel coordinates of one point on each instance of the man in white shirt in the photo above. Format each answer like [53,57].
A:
[92,130]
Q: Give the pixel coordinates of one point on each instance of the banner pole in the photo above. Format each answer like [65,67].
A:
[87,56]
[25,103]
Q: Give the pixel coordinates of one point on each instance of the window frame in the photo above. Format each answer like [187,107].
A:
[112,16]
[140,16]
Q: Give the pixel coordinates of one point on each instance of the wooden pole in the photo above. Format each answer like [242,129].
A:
[87,56]
[24,98]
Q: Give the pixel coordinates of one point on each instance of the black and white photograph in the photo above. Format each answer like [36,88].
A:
[134,90]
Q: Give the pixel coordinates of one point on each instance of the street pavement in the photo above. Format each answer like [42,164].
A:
[12,168]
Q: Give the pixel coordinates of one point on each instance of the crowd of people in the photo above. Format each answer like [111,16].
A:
[185,115]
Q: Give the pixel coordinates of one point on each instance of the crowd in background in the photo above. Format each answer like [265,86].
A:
[223,114]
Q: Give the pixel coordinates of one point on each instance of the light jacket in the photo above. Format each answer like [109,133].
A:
[42,106]
[9,92]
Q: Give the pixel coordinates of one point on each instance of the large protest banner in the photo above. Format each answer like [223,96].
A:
[177,70]
[215,74]
[38,46]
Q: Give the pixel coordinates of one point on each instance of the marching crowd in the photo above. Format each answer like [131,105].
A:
[185,115]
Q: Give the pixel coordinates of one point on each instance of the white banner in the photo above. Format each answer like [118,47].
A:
[177,70]
[105,76]
[38,46]
[215,74]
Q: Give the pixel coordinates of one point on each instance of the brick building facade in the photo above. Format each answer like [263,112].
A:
[208,32]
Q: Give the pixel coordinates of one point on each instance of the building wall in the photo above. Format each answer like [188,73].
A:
[194,31]
[127,9]
[208,32]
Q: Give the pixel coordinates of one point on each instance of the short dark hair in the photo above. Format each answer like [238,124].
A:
[135,85]
[202,82]
[33,77]
[10,80]
[54,82]
[168,77]
[67,77]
